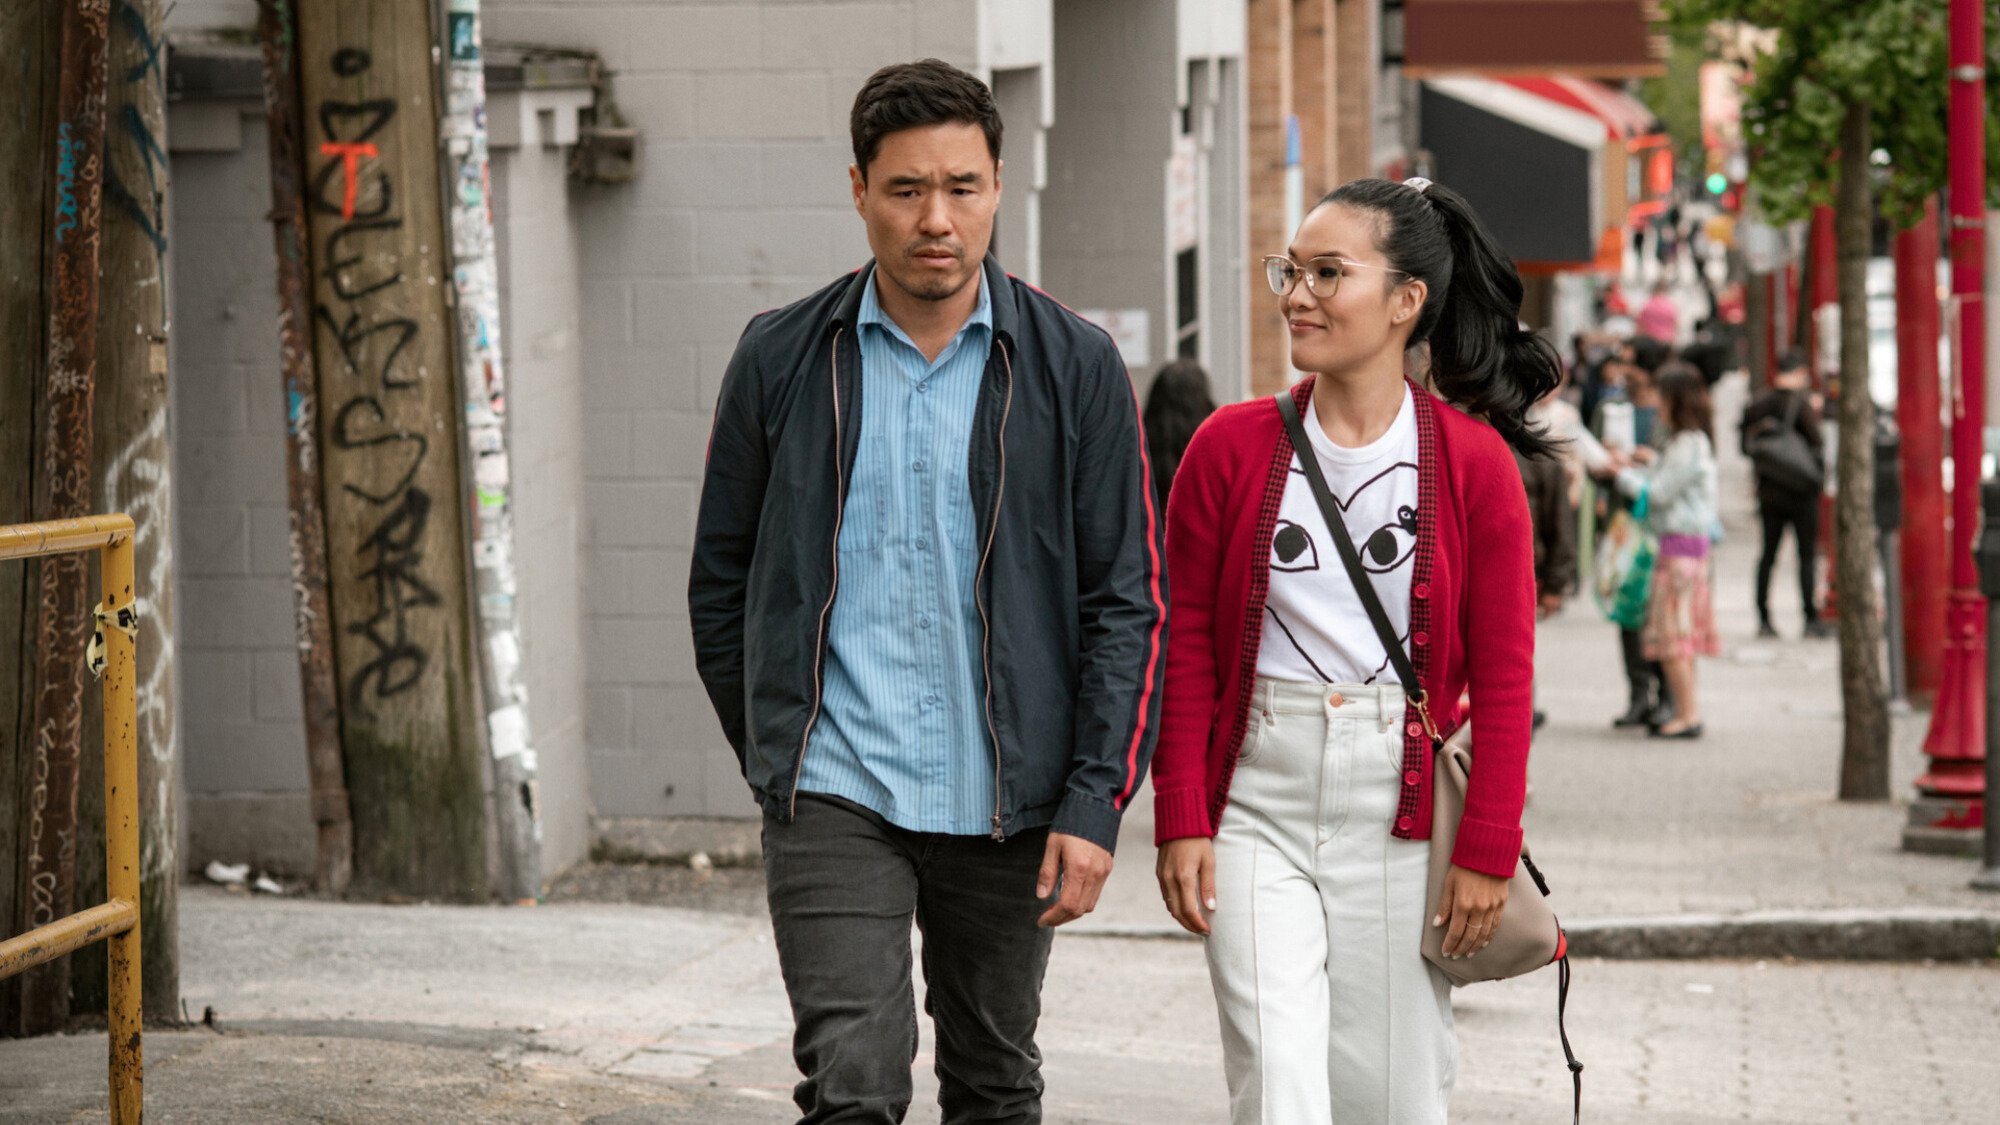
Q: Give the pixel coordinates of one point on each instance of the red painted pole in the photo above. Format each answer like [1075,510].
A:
[1949,808]
[1920,417]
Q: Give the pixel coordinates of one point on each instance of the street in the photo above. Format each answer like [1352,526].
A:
[637,995]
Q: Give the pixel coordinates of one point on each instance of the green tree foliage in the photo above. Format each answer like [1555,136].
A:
[1887,55]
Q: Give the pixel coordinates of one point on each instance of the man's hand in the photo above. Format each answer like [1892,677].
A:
[1186,869]
[1469,910]
[1551,604]
[1080,868]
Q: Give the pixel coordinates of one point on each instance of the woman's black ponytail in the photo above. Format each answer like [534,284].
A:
[1481,358]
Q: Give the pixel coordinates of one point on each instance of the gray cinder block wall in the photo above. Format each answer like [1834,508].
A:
[246,777]
[741,205]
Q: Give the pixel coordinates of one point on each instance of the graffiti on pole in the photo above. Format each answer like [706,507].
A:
[358,310]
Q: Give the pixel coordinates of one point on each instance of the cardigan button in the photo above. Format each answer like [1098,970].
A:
[1422,590]
[1411,778]
[1405,823]
[1421,639]
[1414,729]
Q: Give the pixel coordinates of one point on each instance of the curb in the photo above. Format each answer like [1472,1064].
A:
[1807,935]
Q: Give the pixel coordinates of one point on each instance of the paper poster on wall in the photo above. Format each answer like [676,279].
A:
[1130,329]
[1183,181]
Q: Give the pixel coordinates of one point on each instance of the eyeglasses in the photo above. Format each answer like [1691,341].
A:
[1322,274]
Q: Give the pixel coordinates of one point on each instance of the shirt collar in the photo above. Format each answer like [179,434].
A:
[871,310]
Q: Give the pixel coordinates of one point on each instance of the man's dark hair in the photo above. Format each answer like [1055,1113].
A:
[1793,359]
[912,95]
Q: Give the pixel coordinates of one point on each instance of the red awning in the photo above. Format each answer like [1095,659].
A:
[1625,117]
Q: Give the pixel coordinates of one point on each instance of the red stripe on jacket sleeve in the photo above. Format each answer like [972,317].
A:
[1153,590]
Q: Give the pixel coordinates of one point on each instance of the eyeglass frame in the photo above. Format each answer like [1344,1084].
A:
[1300,272]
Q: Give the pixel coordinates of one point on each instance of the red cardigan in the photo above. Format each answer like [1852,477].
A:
[1472,619]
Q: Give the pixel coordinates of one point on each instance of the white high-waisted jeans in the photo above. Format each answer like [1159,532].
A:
[1329,1011]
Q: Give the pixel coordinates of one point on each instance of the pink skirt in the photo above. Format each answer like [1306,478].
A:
[1680,617]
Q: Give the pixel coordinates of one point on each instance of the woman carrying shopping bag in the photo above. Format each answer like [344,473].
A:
[1293,782]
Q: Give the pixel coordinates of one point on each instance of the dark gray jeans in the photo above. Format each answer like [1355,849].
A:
[844,885]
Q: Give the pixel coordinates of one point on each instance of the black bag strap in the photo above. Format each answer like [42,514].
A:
[1363,588]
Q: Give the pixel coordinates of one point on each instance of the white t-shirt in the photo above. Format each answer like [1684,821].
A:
[1315,628]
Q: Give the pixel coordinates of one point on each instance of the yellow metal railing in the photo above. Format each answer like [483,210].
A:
[116,923]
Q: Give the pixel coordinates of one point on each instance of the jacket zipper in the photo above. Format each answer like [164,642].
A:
[819,642]
[979,584]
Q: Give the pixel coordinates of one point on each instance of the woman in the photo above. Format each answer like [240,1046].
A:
[1679,485]
[1175,408]
[1292,779]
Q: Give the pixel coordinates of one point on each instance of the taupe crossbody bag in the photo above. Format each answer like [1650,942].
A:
[1528,937]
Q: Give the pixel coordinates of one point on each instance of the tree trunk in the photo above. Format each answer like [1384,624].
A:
[1864,756]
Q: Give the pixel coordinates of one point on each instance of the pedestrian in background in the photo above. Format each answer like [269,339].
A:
[1660,319]
[1176,406]
[1647,703]
[1292,788]
[1680,489]
[927,606]
[1786,498]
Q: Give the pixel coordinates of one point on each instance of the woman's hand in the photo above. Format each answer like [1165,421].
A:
[1469,910]
[1186,868]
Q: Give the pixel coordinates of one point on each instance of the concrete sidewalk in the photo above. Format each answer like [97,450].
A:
[632,1015]
[1718,846]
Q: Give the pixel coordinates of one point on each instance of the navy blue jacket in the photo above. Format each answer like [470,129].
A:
[1070,584]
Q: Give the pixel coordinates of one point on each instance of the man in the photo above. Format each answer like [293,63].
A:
[1787,501]
[928,606]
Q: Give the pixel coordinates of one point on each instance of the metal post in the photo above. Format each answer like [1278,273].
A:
[312,610]
[1950,795]
[121,833]
[1920,417]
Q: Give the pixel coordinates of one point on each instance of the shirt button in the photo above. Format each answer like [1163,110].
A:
[931,699]
[1422,590]
[919,466]
[923,544]
[923,622]
[1411,778]
[923,387]
[1405,823]
[1422,638]
[1414,729]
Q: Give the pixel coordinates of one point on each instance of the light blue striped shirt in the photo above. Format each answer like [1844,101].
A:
[902,726]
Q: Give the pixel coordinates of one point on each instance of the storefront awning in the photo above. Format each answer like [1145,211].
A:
[1625,117]
[1532,168]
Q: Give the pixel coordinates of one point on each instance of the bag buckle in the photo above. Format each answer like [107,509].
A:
[1424,713]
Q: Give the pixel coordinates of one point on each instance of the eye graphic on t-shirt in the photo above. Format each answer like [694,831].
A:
[1390,544]
[1293,549]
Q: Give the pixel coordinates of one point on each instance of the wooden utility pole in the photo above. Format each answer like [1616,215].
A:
[483,378]
[312,614]
[132,473]
[411,724]
[62,490]
[26,141]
